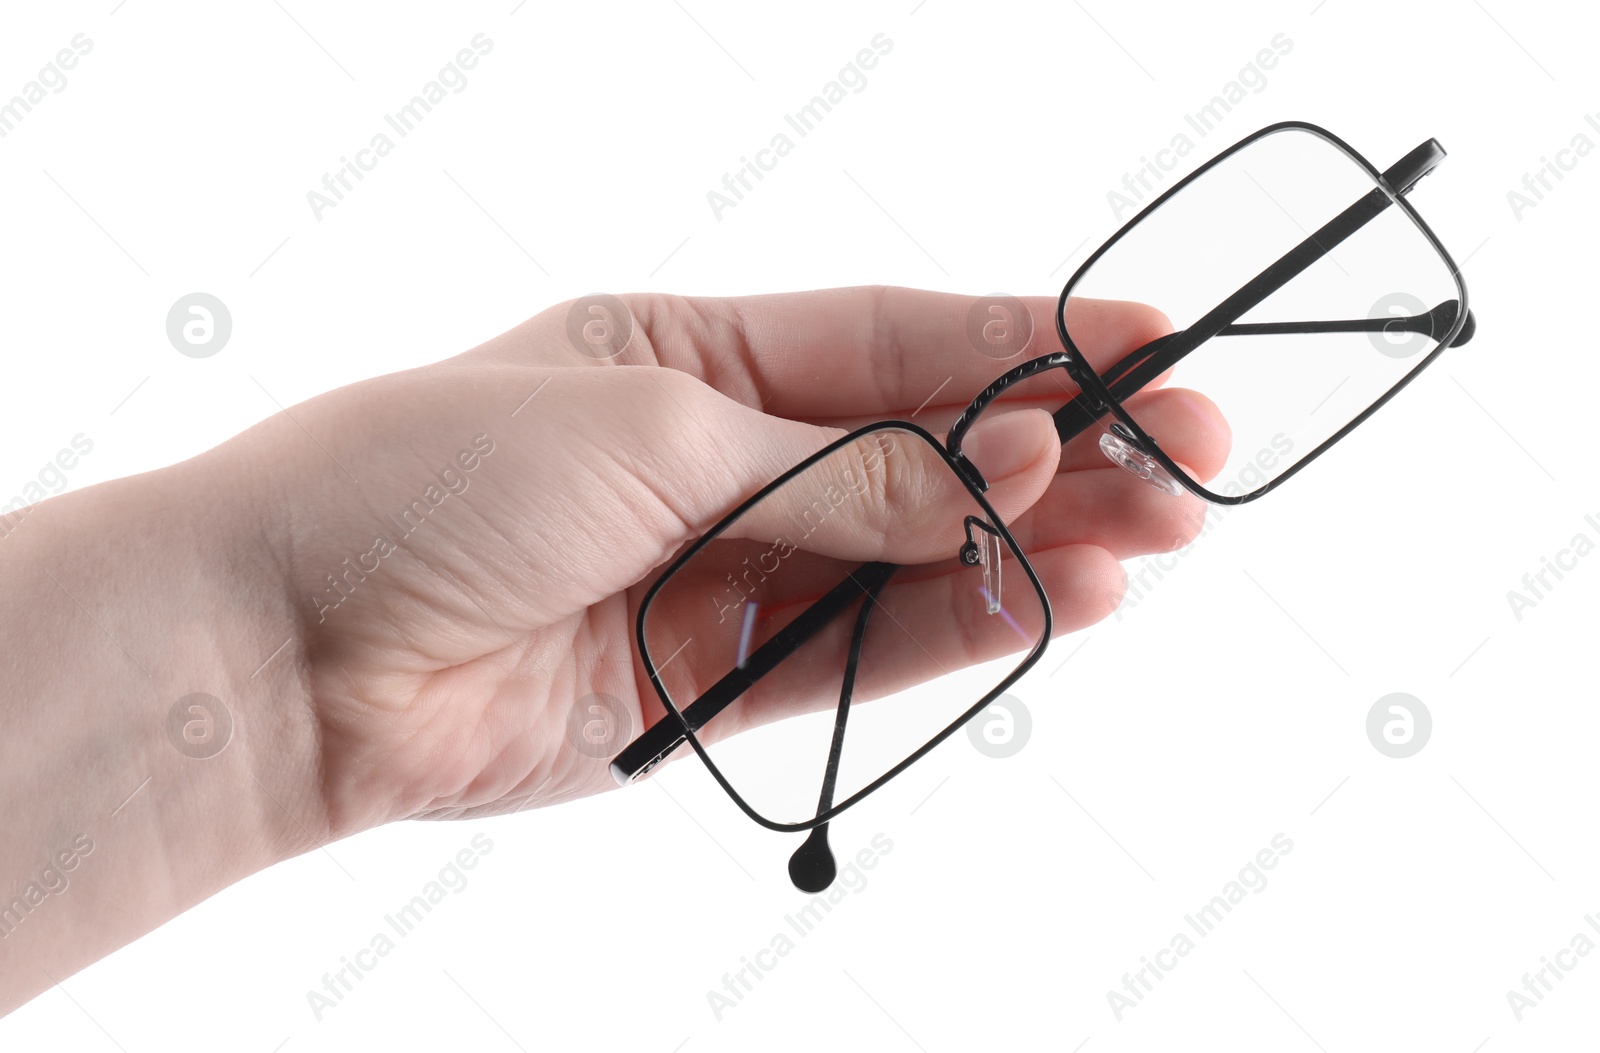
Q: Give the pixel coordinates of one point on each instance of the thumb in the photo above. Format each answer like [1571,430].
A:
[892,493]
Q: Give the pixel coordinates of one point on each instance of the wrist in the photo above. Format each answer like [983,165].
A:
[154,755]
[298,527]
[212,650]
[241,632]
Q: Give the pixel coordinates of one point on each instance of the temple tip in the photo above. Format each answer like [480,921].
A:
[812,868]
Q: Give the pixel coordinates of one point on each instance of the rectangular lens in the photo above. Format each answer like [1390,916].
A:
[878,522]
[1292,367]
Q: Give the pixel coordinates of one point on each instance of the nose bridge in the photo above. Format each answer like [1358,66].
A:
[958,430]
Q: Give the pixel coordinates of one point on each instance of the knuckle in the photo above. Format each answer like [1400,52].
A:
[877,488]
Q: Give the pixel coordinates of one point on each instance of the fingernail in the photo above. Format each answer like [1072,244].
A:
[1003,446]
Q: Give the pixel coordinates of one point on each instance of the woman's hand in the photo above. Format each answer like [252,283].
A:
[395,594]
[444,676]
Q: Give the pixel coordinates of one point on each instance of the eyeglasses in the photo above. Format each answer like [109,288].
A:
[1303,292]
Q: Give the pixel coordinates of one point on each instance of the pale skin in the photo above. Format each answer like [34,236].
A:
[440,686]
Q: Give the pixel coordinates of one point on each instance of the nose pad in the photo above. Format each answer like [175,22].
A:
[1123,450]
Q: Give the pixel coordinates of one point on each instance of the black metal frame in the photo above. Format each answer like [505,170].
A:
[1450,324]
[864,581]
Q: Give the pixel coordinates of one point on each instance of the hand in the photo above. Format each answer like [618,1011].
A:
[399,590]
[443,669]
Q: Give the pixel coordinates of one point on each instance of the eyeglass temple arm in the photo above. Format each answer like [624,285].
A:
[667,734]
[812,867]
[1435,323]
[1080,413]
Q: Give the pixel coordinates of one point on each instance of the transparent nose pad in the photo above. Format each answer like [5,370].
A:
[1119,446]
[983,550]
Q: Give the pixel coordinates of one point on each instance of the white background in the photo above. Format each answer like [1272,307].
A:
[1224,707]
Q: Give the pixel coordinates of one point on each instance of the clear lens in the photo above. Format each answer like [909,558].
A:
[945,629]
[1283,393]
